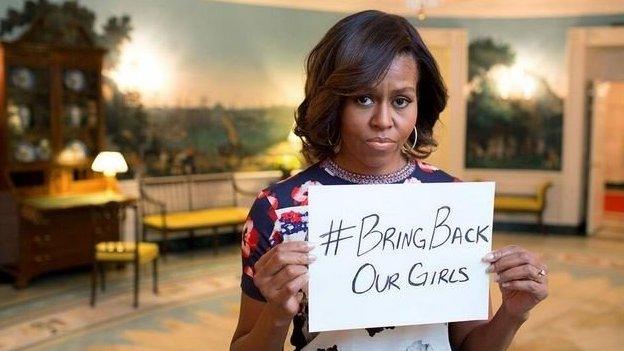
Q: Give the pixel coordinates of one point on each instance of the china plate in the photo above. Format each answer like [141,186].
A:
[74,80]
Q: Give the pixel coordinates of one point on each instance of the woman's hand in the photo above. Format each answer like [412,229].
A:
[521,277]
[280,275]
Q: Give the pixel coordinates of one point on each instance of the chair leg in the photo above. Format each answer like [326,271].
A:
[215,242]
[540,220]
[93,283]
[155,276]
[136,285]
[192,239]
[102,272]
[163,246]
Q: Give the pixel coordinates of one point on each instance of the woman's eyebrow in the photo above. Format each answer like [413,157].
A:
[404,90]
[375,91]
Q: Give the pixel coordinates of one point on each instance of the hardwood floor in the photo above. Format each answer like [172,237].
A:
[584,311]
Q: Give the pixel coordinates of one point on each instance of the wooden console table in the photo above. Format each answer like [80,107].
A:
[54,233]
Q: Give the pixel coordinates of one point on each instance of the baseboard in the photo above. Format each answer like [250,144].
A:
[535,229]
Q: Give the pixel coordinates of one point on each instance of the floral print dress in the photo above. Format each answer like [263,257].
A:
[279,213]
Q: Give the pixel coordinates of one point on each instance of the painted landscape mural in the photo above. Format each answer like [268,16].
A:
[206,86]
[514,117]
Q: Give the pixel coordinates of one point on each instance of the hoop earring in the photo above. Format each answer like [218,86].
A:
[415,137]
[329,142]
[337,148]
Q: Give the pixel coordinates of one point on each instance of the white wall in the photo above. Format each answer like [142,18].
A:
[450,48]
[129,187]
[605,63]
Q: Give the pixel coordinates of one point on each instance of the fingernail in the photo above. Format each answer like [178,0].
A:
[488,257]
[505,285]
[311,258]
[490,269]
[310,245]
[496,278]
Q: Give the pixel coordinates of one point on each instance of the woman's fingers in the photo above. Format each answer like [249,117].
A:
[285,258]
[287,300]
[529,286]
[289,297]
[497,254]
[280,265]
[269,286]
[523,272]
[292,288]
[292,252]
[287,274]
[512,258]
[281,273]
[521,276]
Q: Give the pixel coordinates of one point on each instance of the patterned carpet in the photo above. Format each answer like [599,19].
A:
[198,304]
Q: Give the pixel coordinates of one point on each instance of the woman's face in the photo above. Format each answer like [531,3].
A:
[376,124]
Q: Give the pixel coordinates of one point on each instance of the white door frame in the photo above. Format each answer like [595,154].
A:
[595,174]
[580,40]
[452,144]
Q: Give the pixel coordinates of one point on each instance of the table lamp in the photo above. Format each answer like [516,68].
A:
[109,163]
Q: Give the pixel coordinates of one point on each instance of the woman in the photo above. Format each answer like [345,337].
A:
[372,97]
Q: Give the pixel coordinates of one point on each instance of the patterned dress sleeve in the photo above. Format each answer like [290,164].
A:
[256,240]
[432,174]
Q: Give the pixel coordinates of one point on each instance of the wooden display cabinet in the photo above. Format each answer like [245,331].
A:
[51,128]
[51,119]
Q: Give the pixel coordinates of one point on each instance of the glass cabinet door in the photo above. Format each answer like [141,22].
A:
[79,115]
[28,115]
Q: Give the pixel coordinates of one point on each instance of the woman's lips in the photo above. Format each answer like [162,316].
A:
[381,144]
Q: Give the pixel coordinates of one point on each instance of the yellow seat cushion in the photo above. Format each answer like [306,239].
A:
[213,217]
[119,251]
[513,203]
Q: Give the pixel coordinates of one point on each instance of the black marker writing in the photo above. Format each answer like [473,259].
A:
[336,241]
[440,224]
[368,273]
[443,230]
[375,218]
[417,277]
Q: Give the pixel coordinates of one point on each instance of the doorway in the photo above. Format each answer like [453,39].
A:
[605,217]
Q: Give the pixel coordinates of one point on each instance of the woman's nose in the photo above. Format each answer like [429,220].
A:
[382,117]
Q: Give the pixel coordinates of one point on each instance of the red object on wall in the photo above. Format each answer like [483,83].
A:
[614,201]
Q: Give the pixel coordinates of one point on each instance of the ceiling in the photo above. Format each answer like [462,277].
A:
[457,8]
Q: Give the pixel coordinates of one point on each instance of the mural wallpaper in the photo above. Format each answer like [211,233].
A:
[206,86]
[514,117]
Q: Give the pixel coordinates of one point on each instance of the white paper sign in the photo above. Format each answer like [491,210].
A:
[398,254]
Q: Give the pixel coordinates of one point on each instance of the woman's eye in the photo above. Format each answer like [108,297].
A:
[364,100]
[401,102]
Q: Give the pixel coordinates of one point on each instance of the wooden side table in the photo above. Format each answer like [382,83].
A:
[55,233]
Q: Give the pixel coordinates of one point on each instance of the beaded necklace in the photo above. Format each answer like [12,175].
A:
[334,169]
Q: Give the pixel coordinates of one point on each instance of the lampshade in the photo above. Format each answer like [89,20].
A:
[110,163]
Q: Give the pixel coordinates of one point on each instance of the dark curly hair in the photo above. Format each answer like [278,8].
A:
[353,55]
